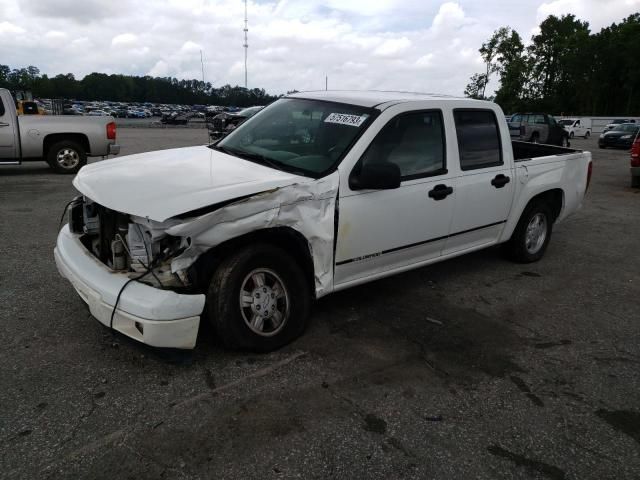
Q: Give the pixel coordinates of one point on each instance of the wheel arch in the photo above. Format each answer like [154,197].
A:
[54,138]
[554,197]
[288,239]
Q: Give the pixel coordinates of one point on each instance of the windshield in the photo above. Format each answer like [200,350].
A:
[566,122]
[308,137]
[626,128]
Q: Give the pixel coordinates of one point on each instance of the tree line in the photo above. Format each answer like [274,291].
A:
[129,88]
[565,69]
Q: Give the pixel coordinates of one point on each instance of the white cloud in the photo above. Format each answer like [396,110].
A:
[190,47]
[599,13]
[419,45]
[10,29]
[449,16]
[392,47]
[124,40]
[160,69]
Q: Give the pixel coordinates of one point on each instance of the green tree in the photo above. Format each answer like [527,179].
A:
[476,86]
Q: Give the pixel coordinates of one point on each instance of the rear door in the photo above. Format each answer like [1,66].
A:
[8,136]
[484,191]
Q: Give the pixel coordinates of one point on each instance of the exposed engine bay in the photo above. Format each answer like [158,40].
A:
[126,245]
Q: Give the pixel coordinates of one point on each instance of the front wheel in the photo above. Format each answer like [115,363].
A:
[587,135]
[532,234]
[66,156]
[258,299]
[571,135]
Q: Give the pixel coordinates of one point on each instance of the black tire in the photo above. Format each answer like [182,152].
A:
[535,137]
[224,309]
[564,142]
[587,135]
[516,247]
[74,153]
[635,182]
[571,135]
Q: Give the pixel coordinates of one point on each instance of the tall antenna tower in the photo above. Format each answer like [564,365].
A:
[246,43]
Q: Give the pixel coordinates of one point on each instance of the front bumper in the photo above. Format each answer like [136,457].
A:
[114,149]
[160,318]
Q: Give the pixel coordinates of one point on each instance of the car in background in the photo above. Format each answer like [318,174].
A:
[120,113]
[635,162]
[576,127]
[225,122]
[538,128]
[622,136]
[98,113]
[615,123]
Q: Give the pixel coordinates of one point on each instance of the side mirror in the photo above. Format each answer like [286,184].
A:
[381,176]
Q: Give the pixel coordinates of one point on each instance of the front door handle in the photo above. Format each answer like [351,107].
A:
[440,192]
[500,181]
[3,124]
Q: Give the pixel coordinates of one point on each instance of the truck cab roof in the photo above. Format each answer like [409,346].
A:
[374,98]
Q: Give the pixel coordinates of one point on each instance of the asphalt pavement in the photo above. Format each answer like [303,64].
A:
[472,368]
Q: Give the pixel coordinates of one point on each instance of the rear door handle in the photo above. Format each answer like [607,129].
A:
[3,124]
[500,181]
[440,192]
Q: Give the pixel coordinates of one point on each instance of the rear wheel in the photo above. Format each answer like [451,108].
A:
[587,135]
[258,299]
[532,234]
[66,156]
[571,135]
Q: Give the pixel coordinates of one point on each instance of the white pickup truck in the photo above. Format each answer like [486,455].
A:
[316,193]
[64,142]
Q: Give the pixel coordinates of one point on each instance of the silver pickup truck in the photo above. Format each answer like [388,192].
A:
[63,142]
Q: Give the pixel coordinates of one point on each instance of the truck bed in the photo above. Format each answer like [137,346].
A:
[523,151]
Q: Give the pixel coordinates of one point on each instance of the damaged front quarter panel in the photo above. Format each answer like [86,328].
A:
[309,208]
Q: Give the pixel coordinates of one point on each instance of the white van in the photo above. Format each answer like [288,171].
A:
[577,127]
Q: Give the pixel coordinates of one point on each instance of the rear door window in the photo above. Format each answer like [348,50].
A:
[1,108]
[478,138]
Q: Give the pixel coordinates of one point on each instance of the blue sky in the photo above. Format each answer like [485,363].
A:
[360,44]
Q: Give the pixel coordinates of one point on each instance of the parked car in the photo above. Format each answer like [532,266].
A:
[577,127]
[251,226]
[620,137]
[538,128]
[63,142]
[615,123]
[224,123]
[635,162]
[98,113]
[120,113]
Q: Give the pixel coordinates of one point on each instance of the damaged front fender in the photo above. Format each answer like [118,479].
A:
[309,208]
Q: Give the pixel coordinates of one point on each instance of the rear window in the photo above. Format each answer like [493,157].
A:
[478,139]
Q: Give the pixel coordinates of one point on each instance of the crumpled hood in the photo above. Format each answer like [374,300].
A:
[162,184]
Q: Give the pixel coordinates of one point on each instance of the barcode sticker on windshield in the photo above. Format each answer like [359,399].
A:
[346,119]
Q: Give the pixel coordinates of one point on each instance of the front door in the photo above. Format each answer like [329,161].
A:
[7,135]
[381,231]
[484,192]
